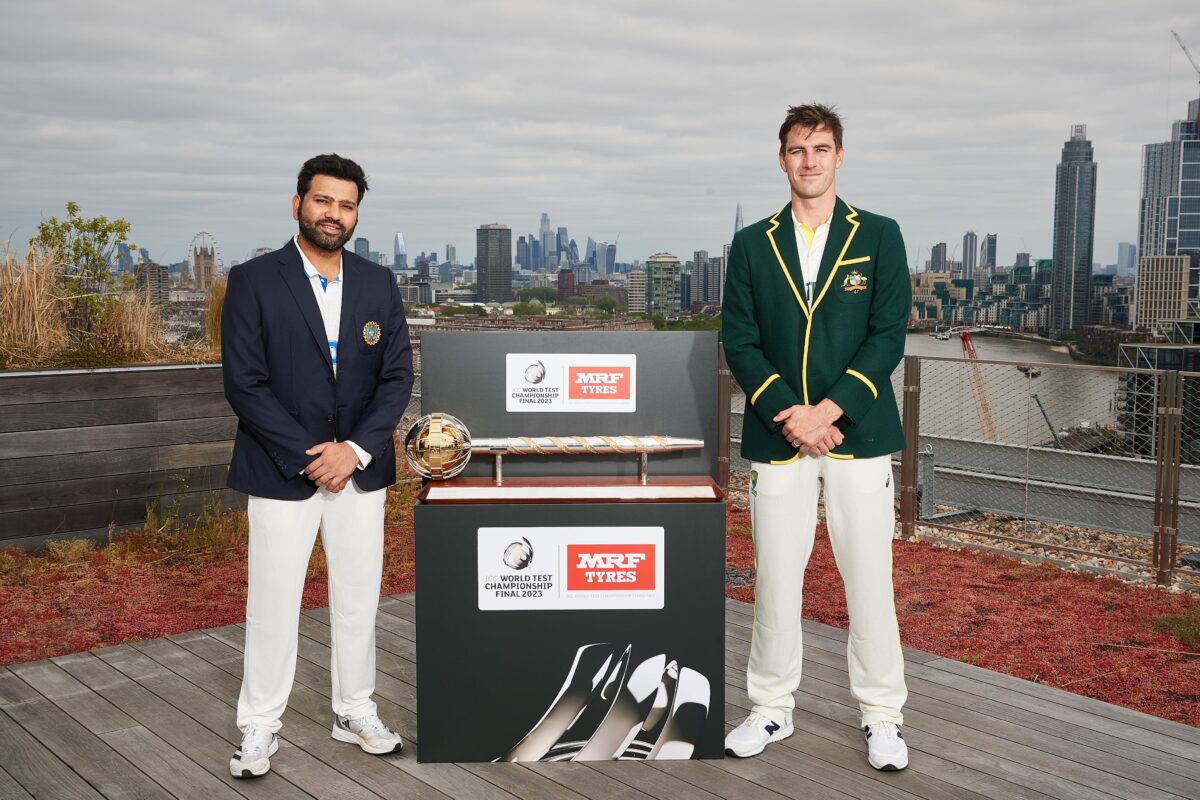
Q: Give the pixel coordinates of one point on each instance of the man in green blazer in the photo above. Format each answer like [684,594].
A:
[816,303]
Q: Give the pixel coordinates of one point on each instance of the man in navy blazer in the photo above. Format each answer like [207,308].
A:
[318,369]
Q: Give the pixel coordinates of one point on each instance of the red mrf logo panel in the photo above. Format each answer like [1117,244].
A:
[611,567]
[598,383]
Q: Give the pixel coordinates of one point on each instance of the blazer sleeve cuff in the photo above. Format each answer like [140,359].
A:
[770,397]
[855,393]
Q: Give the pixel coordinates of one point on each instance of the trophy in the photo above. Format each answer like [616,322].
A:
[438,446]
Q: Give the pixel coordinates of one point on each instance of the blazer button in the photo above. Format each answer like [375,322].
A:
[329,418]
[329,380]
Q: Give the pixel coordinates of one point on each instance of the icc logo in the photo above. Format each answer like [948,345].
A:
[518,555]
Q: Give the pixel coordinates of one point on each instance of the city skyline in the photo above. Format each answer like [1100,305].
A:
[630,130]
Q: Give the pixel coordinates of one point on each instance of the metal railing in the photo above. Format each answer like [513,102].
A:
[1061,457]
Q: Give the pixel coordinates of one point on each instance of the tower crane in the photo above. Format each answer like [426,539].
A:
[1187,53]
[977,387]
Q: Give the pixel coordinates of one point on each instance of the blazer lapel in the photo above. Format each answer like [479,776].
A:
[352,285]
[842,228]
[292,270]
[782,235]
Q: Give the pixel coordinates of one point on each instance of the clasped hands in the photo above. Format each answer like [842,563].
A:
[335,463]
[811,428]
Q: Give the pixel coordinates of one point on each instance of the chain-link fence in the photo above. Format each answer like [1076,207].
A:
[1097,464]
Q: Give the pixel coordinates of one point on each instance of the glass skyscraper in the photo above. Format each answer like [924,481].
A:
[493,261]
[1074,234]
[1169,223]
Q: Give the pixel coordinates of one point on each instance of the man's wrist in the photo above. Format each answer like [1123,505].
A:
[830,411]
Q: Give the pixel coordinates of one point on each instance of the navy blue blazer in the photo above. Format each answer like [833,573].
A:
[279,376]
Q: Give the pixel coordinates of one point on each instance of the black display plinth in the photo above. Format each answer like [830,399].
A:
[648,682]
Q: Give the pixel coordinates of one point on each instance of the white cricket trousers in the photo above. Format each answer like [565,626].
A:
[861,518]
[282,533]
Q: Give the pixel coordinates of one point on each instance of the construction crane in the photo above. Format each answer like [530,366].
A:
[1187,53]
[977,388]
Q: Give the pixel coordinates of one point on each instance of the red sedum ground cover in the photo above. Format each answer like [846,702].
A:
[1034,622]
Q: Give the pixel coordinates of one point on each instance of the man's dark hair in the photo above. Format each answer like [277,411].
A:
[334,166]
[810,117]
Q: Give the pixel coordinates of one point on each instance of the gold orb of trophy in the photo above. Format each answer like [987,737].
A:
[438,446]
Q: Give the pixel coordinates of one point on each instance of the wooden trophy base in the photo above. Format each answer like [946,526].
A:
[666,489]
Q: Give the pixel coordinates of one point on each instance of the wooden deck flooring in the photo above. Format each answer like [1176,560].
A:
[154,719]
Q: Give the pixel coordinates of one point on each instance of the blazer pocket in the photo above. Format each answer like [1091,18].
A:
[854,284]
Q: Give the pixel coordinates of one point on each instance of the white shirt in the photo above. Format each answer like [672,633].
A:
[329,301]
[810,251]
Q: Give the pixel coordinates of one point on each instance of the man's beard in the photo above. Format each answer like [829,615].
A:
[318,238]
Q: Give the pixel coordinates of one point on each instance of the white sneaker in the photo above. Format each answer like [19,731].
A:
[886,749]
[755,733]
[253,758]
[369,733]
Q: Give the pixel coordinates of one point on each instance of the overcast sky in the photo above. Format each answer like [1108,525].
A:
[650,119]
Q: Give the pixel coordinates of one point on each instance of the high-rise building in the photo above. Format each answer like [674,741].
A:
[155,280]
[1164,286]
[1074,232]
[566,284]
[737,220]
[1169,219]
[937,258]
[636,297]
[662,284]
[493,259]
[561,241]
[1022,259]
[401,253]
[589,254]
[523,253]
[549,250]
[708,283]
[970,242]
[987,255]
[606,258]
[451,253]
[362,247]
[535,253]
[544,225]
[1126,258]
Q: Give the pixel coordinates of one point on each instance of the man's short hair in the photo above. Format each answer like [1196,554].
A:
[810,117]
[334,166]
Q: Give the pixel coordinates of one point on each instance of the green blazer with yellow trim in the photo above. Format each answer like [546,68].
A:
[844,344]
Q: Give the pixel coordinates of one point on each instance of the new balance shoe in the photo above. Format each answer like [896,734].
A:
[754,734]
[886,749]
[369,733]
[253,758]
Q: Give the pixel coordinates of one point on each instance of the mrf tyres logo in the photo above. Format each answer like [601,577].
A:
[598,383]
[606,567]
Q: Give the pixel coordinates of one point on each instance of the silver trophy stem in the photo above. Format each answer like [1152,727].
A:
[643,467]
[499,469]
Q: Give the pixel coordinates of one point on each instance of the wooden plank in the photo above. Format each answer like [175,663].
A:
[182,778]
[40,469]
[194,406]
[581,778]
[87,708]
[767,781]
[1061,697]
[114,411]
[293,762]
[107,488]
[523,783]
[97,763]
[310,700]
[10,789]
[30,387]
[25,444]
[199,745]
[67,520]
[77,413]
[32,765]
[207,719]
[1106,773]
[654,782]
